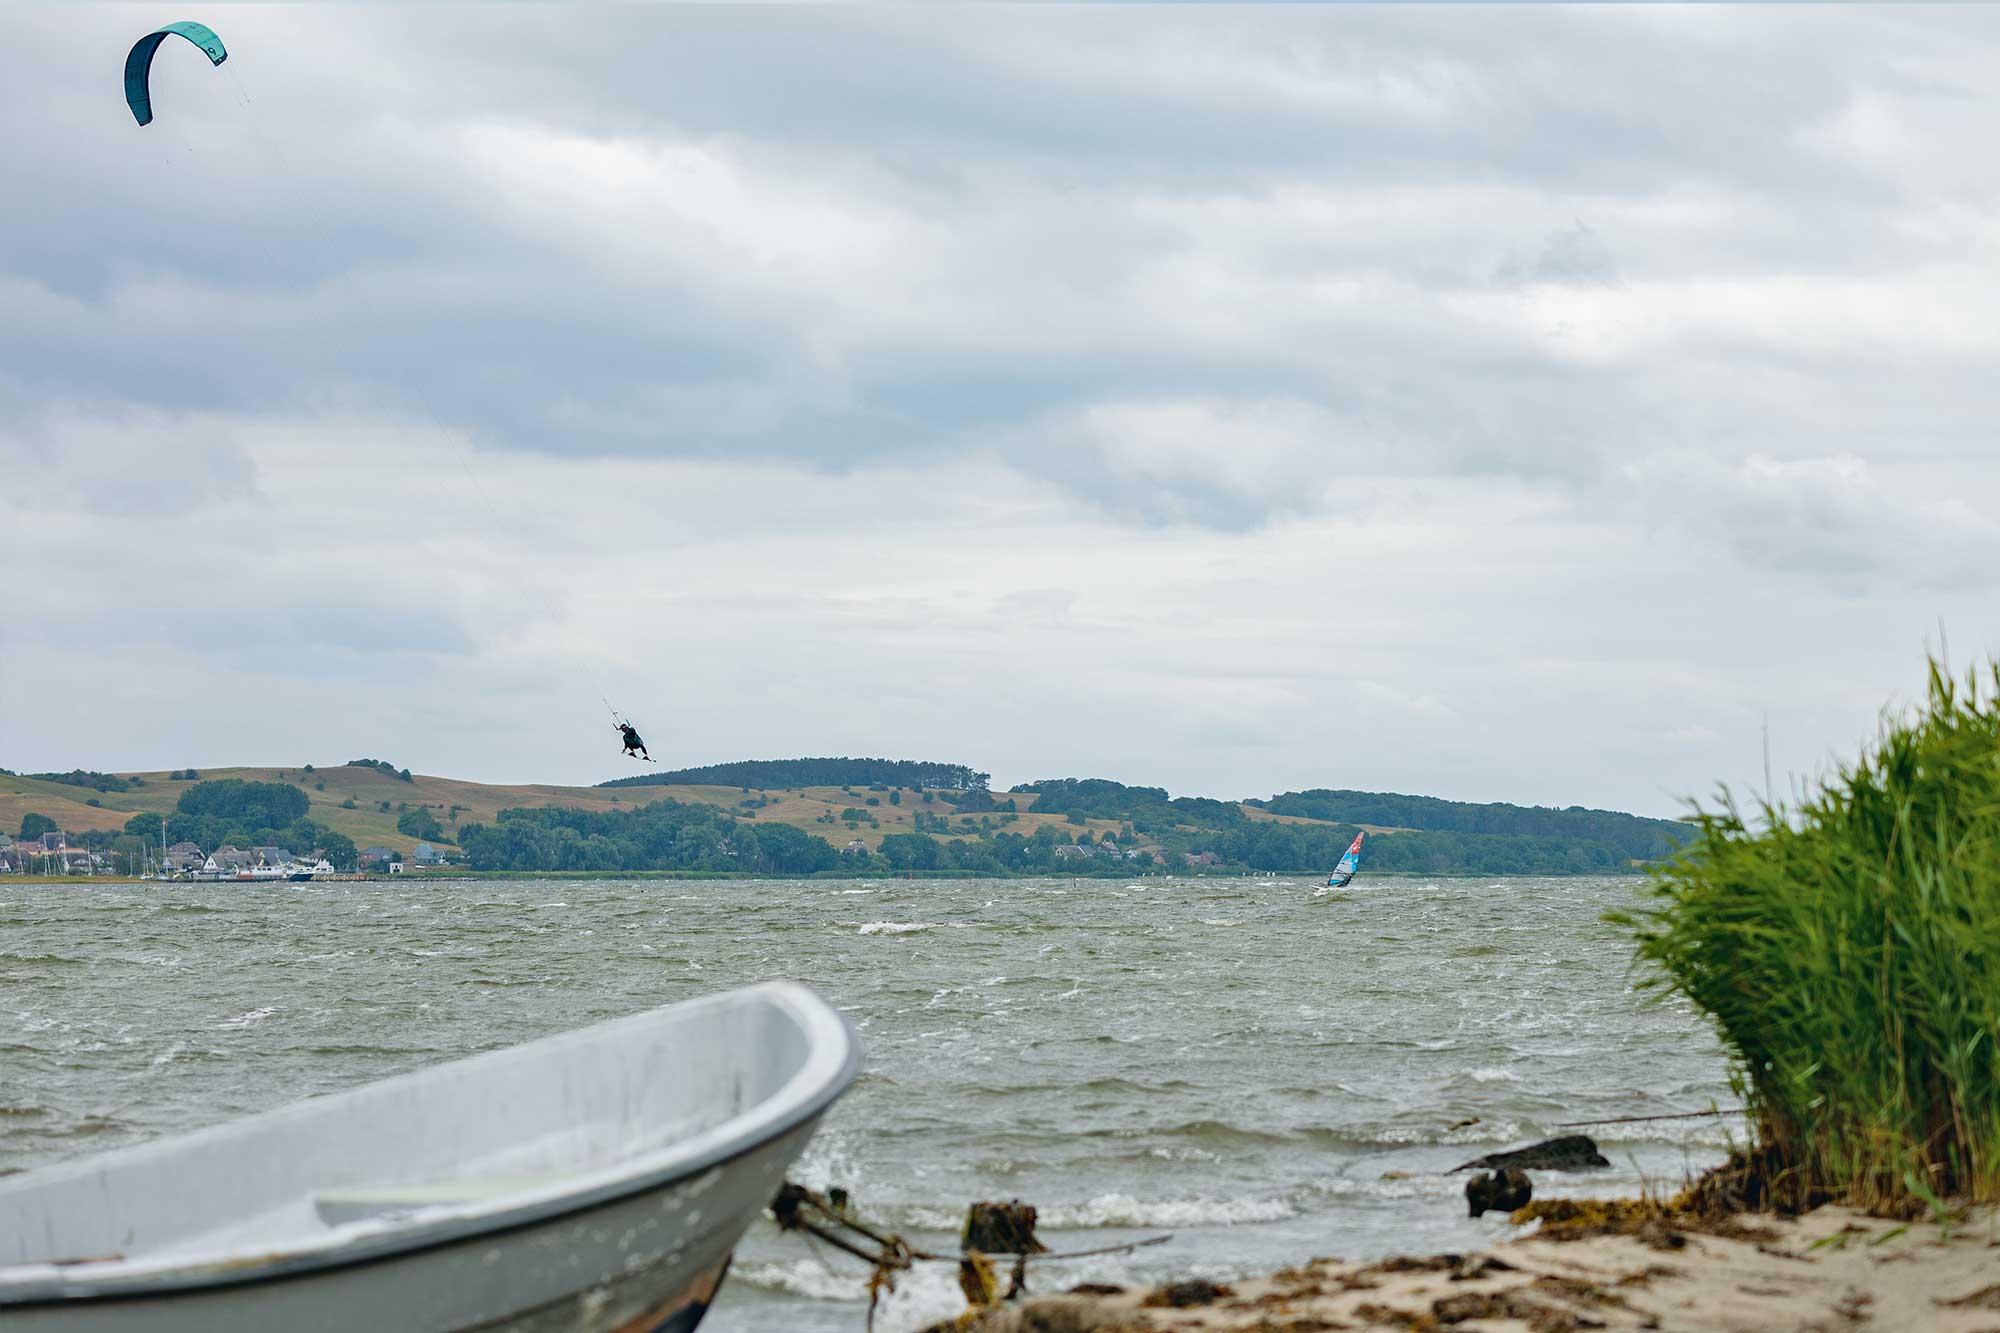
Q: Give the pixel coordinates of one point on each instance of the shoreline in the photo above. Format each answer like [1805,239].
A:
[1831,1269]
[883,876]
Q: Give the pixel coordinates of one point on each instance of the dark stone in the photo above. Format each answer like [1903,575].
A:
[1499,1191]
[1571,1152]
[1185,1295]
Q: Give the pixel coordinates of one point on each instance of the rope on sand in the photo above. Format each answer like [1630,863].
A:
[1635,1119]
[799,1209]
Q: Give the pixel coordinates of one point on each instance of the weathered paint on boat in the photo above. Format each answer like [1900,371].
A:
[595,1180]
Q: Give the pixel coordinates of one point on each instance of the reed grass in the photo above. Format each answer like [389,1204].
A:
[1848,951]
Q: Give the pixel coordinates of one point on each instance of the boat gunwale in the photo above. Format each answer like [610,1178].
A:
[45,1283]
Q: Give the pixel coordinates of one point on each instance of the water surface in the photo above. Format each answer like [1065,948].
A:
[1268,1074]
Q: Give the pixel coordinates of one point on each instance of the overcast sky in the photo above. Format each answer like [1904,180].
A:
[1491,403]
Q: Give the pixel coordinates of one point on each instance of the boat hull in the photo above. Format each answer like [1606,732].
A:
[596,1180]
[647,1263]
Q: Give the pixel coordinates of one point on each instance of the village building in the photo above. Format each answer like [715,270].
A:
[227,860]
[50,854]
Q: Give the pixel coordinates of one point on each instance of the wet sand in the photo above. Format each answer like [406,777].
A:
[1833,1269]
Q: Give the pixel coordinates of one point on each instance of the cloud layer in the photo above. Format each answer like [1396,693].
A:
[1506,405]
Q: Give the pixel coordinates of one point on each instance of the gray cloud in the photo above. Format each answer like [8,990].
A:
[1518,395]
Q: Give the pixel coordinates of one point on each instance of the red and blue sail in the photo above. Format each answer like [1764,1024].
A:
[1349,863]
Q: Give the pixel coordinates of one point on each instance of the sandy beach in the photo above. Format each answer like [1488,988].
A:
[1833,1269]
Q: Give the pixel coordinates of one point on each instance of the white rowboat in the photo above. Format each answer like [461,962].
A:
[595,1180]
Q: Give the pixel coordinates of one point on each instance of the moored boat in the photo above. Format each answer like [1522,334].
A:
[594,1180]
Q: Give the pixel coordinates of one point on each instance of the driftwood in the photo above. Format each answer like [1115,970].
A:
[1001,1228]
[1008,1227]
[1571,1152]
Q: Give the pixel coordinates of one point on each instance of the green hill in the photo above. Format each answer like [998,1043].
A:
[860,817]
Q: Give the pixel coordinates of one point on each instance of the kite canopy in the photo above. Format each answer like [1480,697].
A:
[139,62]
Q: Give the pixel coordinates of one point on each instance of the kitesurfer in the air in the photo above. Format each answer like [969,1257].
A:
[633,745]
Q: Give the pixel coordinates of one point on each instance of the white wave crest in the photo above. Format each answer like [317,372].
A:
[826,1162]
[917,1217]
[804,1277]
[893,927]
[1123,1210]
[923,1296]
[1496,1132]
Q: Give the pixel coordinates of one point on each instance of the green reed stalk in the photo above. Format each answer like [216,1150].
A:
[1848,951]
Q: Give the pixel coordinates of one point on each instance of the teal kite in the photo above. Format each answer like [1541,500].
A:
[139,62]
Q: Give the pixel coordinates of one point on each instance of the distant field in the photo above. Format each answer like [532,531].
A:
[1258,816]
[477,802]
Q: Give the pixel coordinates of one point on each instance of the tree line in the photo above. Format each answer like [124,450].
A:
[836,772]
[83,777]
[666,835]
[672,835]
[1633,837]
[1148,809]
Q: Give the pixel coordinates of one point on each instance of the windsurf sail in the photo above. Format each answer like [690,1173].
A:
[1349,863]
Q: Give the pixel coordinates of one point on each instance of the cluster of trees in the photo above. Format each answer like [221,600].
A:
[1148,809]
[419,822]
[977,800]
[381,765]
[83,777]
[1451,837]
[1626,837]
[840,772]
[666,835]
[670,835]
[245,814]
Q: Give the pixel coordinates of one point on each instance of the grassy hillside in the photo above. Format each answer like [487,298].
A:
[456,801]
[1296,831]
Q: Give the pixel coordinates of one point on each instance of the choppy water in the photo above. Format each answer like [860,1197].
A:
[1266,1074]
